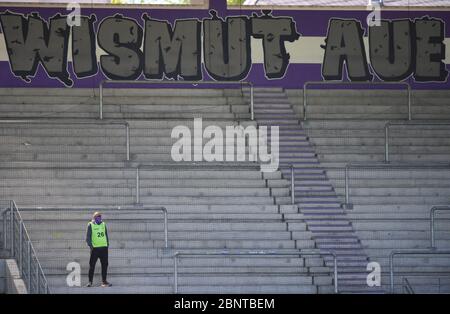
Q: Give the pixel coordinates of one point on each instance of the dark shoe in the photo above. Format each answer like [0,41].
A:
[106,284]
[89,285]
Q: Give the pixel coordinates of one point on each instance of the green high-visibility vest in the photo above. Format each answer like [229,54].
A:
[98,235]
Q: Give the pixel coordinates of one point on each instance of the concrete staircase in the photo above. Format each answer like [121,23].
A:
[392,205]
[211,207]
[318,203]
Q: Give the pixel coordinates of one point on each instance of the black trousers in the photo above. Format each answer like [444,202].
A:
[102,254]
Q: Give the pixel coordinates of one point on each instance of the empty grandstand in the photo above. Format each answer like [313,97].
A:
[240,150]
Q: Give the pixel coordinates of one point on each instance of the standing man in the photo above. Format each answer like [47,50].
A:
[98,242]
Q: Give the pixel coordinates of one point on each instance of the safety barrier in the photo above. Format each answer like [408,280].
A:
[433,211]
[21,248]
[162,209]
[395,253]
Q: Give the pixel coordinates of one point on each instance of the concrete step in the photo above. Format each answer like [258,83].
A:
[180,244]
[202,280]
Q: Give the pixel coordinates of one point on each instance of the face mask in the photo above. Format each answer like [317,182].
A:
[98,220]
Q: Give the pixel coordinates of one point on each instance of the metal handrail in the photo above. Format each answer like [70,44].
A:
[354,83]
[389,124]
[106,208]
[23,232]
[410,252]
[433,211]
[255,253]
[100,108]
[349,166]
[63,122]
[407,286]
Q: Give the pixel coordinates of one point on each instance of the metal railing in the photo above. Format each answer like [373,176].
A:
[407,286]
[164,82]
[260,253]
[433,211]
[389,124]
[395,253]
[412,166]
[21,248]
[78,122]
[112,208]
[305,87]
[137,170]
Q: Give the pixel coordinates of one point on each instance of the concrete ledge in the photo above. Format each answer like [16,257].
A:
[14,282]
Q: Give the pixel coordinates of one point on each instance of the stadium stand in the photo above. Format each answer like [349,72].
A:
[210,207]
[232,207]
[391,201]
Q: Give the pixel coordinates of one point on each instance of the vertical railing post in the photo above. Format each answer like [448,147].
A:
[347,188]
[391,270]
[127,126]
[335,274]
[12,229]
[166,231]
[292,185]
[386,143]
[100,104]
[29,266]
[252,103]
[5,231]
[138,186]
[409,103]
[432,227]
[175,273]
[304,101]
[20,248]
[37,279]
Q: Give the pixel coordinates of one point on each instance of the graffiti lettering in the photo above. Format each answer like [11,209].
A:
[121,38]
[392,50]
[345,45]
[159,49]
[32,41]
[430,50]
[172,52]
[274,32]
[227,47]
[84,59]
[398,49]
